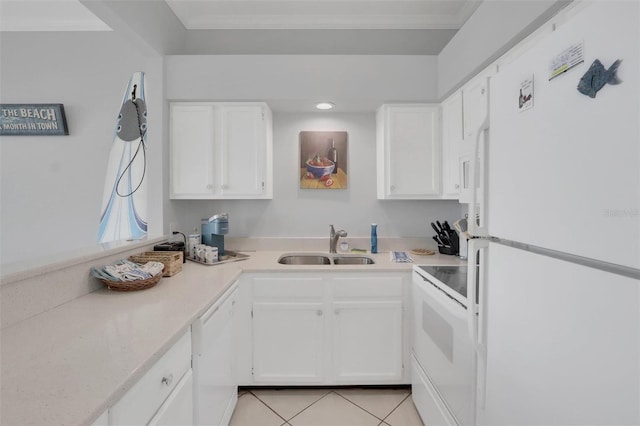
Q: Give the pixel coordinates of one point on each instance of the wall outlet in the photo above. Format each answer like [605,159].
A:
[172,228]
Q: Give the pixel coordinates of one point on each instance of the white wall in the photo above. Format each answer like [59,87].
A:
[307,213]
[51,187]
[293,82]
[358,84]
[316,42]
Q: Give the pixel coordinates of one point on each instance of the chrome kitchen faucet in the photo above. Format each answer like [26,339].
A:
[333,238]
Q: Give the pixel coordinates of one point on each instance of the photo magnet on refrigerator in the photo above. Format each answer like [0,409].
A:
[525,99]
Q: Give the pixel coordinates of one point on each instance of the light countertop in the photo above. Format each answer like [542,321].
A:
[69,364]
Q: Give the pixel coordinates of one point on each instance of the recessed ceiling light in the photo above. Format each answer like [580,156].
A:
[324,105]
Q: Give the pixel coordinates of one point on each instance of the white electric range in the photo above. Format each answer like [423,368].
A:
[444,359]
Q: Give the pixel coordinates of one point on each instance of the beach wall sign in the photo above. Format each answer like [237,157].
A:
[33,120]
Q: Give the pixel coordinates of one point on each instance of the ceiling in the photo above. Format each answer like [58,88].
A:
[421,27]
[322,14]
[48,15]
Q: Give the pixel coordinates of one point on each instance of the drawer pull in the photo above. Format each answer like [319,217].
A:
[167,380]
[319,312]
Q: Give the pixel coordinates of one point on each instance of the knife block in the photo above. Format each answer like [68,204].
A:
[448,250]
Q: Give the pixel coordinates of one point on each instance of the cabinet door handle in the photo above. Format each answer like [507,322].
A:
[457,186]
[392,187]
[319,312]
[337,311]
[166,380]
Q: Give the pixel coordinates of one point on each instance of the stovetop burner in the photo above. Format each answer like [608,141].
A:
[454,277]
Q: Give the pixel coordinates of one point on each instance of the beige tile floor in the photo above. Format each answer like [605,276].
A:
[325,407]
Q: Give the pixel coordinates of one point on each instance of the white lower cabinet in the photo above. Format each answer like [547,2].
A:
[214,367]
[288,342]
[367,341]
[276,329]
[178,409]
[161,390]
[172,393]
[426,399]
[288,323]
[325,329]
[367,328]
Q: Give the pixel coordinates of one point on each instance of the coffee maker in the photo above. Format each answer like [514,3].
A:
[213,231]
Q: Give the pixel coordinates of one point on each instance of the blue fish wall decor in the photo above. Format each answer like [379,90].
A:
[597,76]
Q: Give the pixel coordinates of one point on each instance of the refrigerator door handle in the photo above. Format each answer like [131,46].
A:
[477,211]
[476,317]
[475,245]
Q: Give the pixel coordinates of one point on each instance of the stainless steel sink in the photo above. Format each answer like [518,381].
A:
[322,259]
[353,260]
[304,259]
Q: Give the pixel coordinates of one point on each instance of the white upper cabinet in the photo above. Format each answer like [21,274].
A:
[244,150]
[452,138]
[475,107]
[475,104]
[221,150]
[408,151]
[192,153]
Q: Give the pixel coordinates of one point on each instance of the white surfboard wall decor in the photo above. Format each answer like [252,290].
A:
[124,204]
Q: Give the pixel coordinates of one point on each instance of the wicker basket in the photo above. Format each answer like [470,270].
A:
[132,285]
[172,260]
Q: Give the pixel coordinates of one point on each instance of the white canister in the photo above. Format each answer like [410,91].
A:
[211,254]
[194,240]
[200,252]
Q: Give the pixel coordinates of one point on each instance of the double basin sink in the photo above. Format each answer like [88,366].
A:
[324,259]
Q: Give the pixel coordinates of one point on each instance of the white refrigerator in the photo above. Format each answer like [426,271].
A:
[557,323]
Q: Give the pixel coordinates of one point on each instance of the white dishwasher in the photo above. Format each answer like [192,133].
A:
[215,377]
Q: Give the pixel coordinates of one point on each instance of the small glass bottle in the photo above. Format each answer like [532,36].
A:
[374,238]
[333,156]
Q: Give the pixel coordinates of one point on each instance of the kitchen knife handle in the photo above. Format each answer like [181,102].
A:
[435,228]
